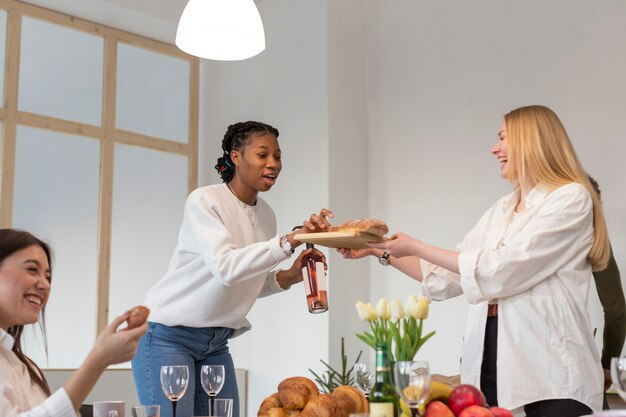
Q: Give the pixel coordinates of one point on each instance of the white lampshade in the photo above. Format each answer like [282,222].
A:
[225,30]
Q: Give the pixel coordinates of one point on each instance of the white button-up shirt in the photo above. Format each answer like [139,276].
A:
[534,263]
[19,395]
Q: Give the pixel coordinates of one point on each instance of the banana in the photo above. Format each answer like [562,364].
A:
[438,391]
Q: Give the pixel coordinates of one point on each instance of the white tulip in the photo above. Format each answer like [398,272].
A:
[397,312]
[411,306]
[362,311]
[382,309]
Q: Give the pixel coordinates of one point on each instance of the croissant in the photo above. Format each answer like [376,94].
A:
[294,393]
[268,404]
[281,412]
[320,406]
[349,400]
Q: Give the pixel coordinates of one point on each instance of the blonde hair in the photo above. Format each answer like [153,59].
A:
[540,149]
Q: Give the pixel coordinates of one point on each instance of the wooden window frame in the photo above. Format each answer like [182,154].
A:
[106,133]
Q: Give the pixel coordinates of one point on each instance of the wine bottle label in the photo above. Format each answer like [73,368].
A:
[305,279]
[381,409]
[321,277]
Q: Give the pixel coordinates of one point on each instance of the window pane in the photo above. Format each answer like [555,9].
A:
[149,192]
[3,47]
[152,93]
[56,198]
[60,72]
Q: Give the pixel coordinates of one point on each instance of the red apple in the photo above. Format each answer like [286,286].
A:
[500,412]
[438,409]
[464,396]
[476,411]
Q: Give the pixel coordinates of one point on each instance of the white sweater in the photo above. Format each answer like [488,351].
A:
[223,262]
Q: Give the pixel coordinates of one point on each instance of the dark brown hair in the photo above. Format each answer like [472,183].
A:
[12,241]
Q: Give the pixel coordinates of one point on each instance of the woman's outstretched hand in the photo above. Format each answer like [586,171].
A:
[358,253]
[400,245]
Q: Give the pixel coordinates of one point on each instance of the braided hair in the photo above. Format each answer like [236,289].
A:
[11,241]
[236,138]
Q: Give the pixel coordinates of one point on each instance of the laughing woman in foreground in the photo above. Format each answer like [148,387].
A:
[525,268]
[25,281]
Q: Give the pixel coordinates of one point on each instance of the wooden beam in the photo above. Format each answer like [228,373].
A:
[9,140]
[194,104]
[107,156]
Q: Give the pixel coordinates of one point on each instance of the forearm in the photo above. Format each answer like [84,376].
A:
[442,257]
[287,278]
[84,379]
[409,265]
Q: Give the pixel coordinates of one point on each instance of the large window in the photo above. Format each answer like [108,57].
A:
[98,151]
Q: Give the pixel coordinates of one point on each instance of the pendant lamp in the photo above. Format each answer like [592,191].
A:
[224,30]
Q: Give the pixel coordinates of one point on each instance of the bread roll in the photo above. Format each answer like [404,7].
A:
[137,316]
[373,226]
[349,400]
[294,393]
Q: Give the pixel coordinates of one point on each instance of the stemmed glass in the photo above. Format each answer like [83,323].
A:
[412,382]
[365,376]
[174,381]
[212,379]
[618,375]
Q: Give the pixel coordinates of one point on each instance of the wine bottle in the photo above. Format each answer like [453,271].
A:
[383,399]
[314,276]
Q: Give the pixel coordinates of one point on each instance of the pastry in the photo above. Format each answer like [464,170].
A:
[294,393]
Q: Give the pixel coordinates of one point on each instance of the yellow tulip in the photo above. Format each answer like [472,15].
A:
[422,308]
[371,312]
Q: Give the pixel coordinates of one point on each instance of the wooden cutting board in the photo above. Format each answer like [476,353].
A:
[350,240]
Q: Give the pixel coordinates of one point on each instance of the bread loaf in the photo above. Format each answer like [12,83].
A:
[373,226]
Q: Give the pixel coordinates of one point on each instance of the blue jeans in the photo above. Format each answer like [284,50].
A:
[179,345]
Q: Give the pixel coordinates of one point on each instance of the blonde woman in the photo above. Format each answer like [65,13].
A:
[525,268]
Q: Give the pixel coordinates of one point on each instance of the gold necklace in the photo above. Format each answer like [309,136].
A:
[247,208]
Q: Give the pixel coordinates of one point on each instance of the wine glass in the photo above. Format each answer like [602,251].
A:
[365,375]
[212,379]
[412,382]
[174,381]
[618,375]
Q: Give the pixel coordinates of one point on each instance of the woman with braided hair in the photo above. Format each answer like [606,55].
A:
[225,259]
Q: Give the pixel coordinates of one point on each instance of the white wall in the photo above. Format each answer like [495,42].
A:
[441,76]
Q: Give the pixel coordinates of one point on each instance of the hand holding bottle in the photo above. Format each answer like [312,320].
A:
[293,275]
[314,275]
